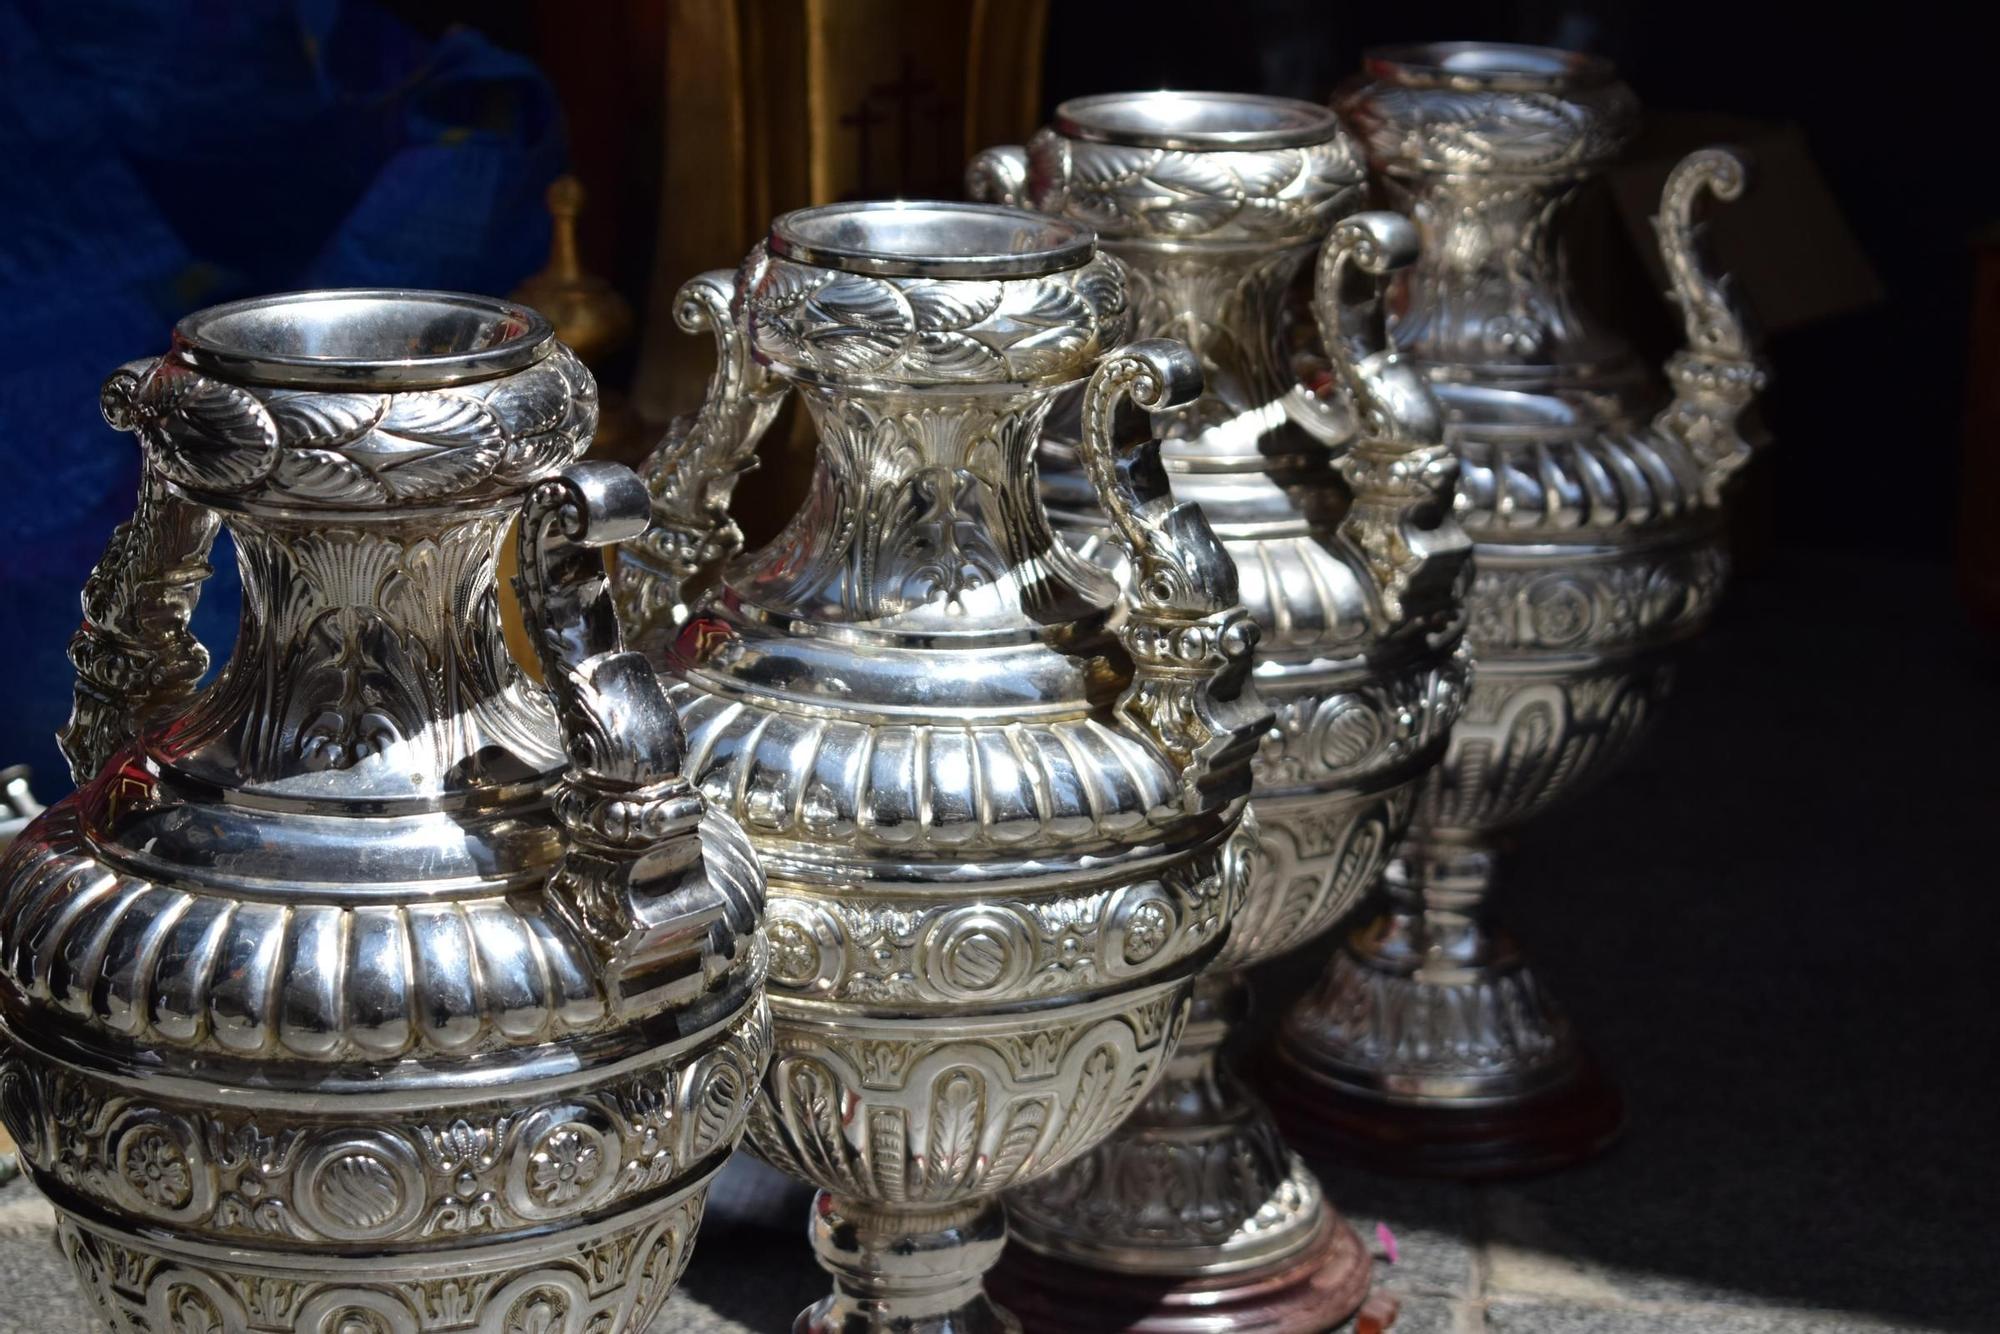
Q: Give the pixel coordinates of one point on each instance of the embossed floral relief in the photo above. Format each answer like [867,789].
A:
[616,1282]
[993,952]
[363,450]
[1169,194]
[489,1171]
[914,510]
[933,331]
[848,1116]
[1640,600]
[1522,743]
[359,644]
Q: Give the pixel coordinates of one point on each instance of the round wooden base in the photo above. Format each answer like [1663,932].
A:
[1557,1128]
[1307,1293]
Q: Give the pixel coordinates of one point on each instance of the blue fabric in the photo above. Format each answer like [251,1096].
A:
[161,155]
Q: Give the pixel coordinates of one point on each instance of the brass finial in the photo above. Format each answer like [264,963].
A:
[587,313]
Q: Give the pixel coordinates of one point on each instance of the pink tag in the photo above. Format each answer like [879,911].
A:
[1388,1242]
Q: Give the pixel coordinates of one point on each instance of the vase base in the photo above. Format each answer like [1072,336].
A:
[836,1315]
[1305,1293]
[1553,1128]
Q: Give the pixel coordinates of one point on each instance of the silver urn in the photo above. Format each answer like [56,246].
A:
[1000,801]
[1595,503]
[1195,1214]
[374,988]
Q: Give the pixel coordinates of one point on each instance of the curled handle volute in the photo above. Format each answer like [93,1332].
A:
[1716,376]
[633,880]
[692,474]
[136,658]
[1399,467]
[998,176]
[1034,177]
[1189,637]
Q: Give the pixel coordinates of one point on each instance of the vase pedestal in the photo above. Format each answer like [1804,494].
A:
[1429,1047]
[1308,1293]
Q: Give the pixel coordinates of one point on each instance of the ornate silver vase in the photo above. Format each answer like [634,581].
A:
[1429,1045]
[374,989]
[1194,1215]
[1000,802]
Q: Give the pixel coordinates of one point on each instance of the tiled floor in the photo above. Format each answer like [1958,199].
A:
[1792,983]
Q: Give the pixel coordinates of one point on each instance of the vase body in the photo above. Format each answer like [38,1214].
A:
[1595,513]
[1001,804]
[374,986]
[1196,1210]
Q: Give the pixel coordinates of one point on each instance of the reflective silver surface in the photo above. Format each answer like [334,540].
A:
[17,803]
[1349,563]
[1596,517]
[1000,802]
[374,987]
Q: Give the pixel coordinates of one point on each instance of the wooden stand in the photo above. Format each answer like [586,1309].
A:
[1569,1123]
[1307,1293]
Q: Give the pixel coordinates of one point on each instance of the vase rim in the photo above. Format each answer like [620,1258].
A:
[1488,65]
[931,239]
[363,338]
[1193,120]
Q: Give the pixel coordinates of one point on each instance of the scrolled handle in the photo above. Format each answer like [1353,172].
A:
[692,474]
[618,726]
[1716,325]
[634,881]
[1189,637]
[998,176]
[1716,377]
[136,659]
[1399,468]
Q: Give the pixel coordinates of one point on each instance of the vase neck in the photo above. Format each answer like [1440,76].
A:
[1228,305]
[369,667]
[924,518]
[1490,298]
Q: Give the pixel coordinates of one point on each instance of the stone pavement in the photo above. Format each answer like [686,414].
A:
[1791,980]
